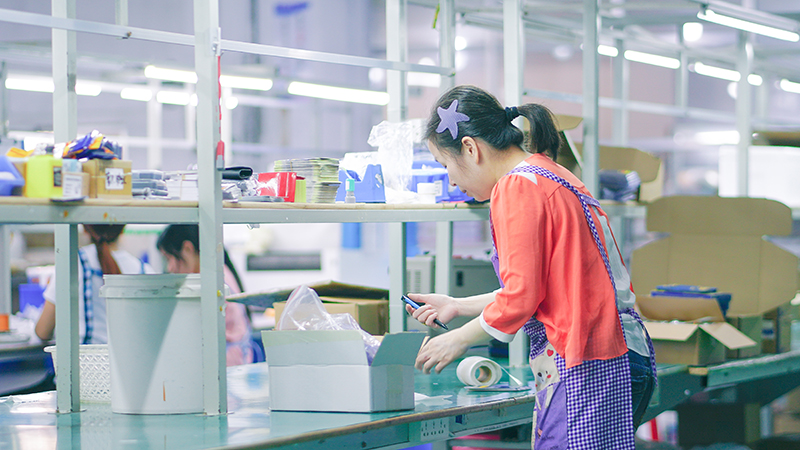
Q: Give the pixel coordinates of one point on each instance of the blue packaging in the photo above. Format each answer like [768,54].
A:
[10,177]
[433,172]
[370,189]
[30,294]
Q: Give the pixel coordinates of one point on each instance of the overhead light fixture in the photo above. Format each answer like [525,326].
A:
[607,50]
[44,84]
[717,72]
[173,97]
[138,94]
[231,103]
[87,88]
[692,31]
[649,58]
[789,86]
[338,93]
[31,84]
[237,82]
[460,43]
[754,79]
[750,20]
[161,73]
[725,74]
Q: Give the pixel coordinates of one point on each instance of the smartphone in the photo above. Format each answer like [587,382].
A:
[414,305]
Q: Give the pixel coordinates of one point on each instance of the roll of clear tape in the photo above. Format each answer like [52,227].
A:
[479,371]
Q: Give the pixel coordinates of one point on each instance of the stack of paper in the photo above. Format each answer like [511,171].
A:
[321,175]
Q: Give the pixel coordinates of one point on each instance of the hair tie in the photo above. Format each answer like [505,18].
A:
[512,113]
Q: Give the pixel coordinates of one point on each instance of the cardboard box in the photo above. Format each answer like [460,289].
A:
[328,371]
[752,327]
[108,178]
[372,315]
[688,342]
[694,344]
[329,288]
[649,167]
[719,242]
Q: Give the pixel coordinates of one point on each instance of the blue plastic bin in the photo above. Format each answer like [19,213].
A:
[7,184]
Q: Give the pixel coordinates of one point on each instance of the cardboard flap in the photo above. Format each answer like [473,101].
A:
[399,348]
[728,335]
[684,214]
[288,348]
[670,331]
[564,122]
[685,309]
[626,158]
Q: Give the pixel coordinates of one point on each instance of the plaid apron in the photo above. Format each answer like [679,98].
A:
[587,406]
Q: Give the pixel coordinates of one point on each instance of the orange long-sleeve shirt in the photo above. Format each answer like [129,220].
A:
[551,267]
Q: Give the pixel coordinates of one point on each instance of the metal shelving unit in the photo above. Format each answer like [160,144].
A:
[208,212]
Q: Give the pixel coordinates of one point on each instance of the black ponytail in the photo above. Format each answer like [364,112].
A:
[543,135]
[491,122]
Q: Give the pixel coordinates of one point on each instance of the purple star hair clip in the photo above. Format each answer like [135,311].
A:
[449,118]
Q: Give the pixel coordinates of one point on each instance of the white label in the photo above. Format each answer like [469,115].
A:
[438,184]
[72,185]
[115,179]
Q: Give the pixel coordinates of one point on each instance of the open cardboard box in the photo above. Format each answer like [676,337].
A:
[701,337]
[328,371]
[649,167]
[716,241]
[328,288]
[372,315]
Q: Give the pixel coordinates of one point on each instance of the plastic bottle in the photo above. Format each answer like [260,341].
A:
[350,191]
[43,175]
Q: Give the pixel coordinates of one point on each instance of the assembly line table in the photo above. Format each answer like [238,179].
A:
[444,410]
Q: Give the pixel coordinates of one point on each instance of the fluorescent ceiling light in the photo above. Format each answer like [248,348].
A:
[30,84]
[338,93]
[42,84]
[460,43]
[746,25]
[424,79]
[255,84]
[754,79]
[717,72]
[655,60]
[231,102]
[160,73]
[607,50]
[138,94]
[790,86]
[723,137]
[173,97]
[692,31]
[87,88]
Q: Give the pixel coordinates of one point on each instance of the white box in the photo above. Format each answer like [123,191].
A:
[328,371]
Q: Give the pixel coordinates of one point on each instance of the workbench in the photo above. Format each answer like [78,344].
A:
[447,410]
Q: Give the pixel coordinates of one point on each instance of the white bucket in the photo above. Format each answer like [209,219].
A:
[154,343]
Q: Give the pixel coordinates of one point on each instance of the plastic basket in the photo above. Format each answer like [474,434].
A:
[94,372]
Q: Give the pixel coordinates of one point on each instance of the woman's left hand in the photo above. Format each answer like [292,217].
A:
[441,350]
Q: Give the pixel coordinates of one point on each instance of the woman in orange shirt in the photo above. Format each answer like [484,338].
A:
[562,276]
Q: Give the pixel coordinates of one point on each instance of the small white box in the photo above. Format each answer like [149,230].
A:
[328,371]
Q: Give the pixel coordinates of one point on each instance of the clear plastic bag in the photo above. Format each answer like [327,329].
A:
[304,311]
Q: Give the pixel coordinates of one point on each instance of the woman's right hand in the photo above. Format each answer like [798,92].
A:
[436,306]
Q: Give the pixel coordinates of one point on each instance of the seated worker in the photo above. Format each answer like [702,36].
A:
[180,245]
[100,257]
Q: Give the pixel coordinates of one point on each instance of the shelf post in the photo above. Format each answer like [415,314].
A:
[513,64]
[397,276]
[447,43]
[396,50]
[591,95]
[212,294]
[65,128]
